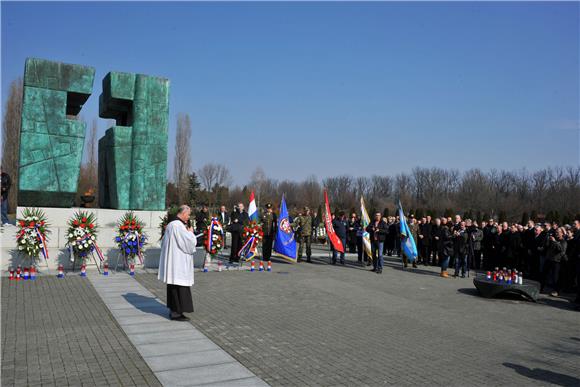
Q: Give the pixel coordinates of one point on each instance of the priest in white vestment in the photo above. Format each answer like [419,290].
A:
[176,264]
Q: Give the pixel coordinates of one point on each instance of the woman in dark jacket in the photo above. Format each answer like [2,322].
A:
[444,246]
[555,254]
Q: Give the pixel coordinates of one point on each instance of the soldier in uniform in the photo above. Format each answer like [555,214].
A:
[269,222]
[303,227]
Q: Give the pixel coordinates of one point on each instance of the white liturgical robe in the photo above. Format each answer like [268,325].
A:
[176,261]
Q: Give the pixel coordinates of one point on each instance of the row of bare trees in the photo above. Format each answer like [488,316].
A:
[548,193]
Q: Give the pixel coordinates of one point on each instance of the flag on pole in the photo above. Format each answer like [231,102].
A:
[365,220]
[407,243]
[252,209]
[334,239]
[285,244]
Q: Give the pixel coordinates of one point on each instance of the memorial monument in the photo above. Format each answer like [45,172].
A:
[51,139]
[133,153]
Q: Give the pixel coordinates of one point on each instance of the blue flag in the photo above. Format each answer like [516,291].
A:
[407,243]
[285,244]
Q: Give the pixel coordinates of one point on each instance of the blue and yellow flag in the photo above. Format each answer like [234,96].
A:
[285,244]
[407,243]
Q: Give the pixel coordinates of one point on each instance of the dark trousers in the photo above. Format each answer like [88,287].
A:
[360,249]
[336,253]
[377,250]
[436,257]
[236,246]
[476,262]
[5,211]
[426,253]
[461,263]
[551,272]
[267,247]
[179,299]
[306,240]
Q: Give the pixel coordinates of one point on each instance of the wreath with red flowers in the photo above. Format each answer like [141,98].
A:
[32,233]
[82,233]
[217,239]
[253,229]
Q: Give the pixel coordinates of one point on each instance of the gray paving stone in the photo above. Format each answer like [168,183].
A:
[161,337]
[323,325]
[189,360]
[56,332]
[172,348]
[219,373]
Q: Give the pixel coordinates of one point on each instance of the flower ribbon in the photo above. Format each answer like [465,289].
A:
[42,242]
[209,240]
[248,250]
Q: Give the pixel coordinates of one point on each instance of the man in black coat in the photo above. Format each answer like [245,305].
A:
[239,220]
[340,225]
[425,229]
[377,230]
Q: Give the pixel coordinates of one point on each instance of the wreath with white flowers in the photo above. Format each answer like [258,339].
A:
[32,233]
[82,234]
[213,237]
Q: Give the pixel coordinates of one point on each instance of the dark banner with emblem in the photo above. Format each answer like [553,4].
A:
[285,244]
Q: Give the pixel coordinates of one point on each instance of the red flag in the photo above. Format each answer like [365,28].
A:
[334,239]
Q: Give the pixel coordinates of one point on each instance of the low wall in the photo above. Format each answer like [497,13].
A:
[106,220]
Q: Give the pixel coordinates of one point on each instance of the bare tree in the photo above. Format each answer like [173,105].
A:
[208,175]
[11,137]
[182,161]
[223,176]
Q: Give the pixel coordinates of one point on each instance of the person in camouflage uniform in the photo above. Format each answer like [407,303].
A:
[269,225]
[303,227]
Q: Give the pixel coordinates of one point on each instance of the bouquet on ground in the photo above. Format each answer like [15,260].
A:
[213,237]
[253,234]
[32,233]
[130,237]
[82,235]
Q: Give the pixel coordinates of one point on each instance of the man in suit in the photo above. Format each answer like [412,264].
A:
[377,230]
[239,219]
[224,219]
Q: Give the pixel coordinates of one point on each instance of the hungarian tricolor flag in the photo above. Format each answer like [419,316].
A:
[334,239]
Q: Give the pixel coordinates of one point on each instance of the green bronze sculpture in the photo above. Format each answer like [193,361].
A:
[133,153]
[51,138]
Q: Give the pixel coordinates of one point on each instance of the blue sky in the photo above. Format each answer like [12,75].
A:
[333,88]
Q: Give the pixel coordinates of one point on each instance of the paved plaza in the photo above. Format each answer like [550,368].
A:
[304,325]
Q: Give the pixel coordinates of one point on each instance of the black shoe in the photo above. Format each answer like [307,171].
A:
[368,263]
[180,318]
[374,270]
[342,263]
[379,272]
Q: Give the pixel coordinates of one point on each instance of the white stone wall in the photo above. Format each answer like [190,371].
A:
[106,220]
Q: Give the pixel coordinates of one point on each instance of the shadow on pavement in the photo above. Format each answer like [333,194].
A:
[544,375]
[147,304]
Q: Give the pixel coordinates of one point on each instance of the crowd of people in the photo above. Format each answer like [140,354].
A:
[547,252]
